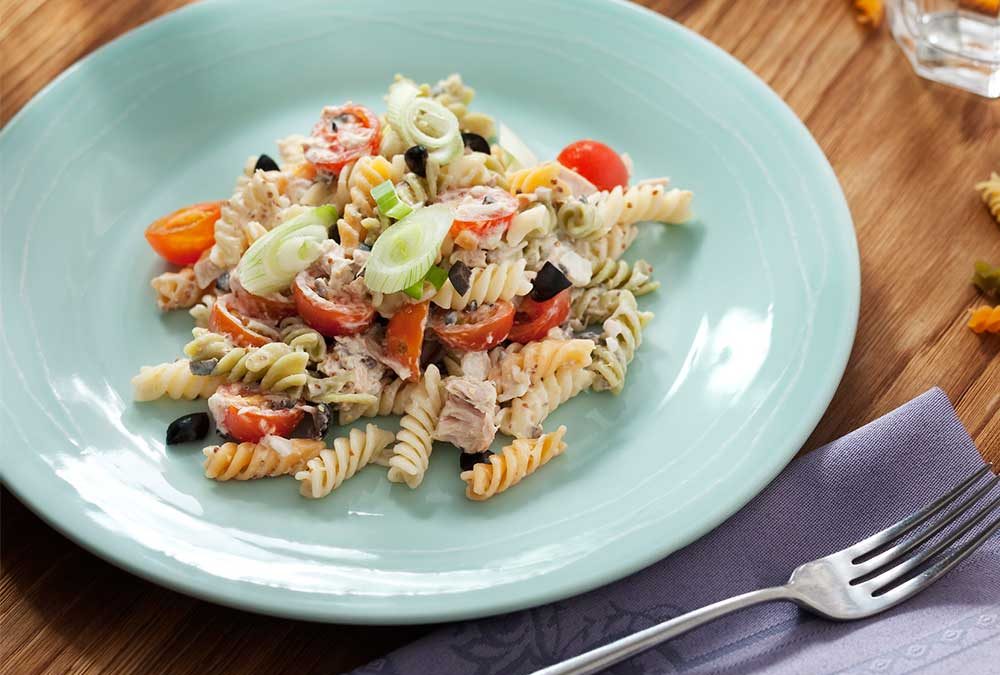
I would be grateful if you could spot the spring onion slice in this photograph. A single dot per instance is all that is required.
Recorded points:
(271, 262)
(517, 153)
(423, 121)
(403, 253)
(435, 275)
(389, 203)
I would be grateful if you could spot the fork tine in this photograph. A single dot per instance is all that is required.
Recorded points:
(912, 586)
(867, 548)
(882, 581)
(872, 566)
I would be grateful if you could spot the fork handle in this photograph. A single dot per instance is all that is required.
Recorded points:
(619, 650)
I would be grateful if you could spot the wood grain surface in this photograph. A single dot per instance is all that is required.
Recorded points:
(906, 151)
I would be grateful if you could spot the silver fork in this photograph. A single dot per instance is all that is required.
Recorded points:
(861, 580)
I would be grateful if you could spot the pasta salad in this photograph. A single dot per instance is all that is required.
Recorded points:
(421, 264)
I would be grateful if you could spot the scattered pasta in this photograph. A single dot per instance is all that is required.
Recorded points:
(990, 191)
(985, 319)
(409, 265)
(986, 278)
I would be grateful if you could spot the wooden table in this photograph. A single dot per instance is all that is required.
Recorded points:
(906, 151)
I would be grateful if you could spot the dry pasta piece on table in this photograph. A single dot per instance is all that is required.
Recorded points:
(985, 319)
(508, 467)
(990, 190)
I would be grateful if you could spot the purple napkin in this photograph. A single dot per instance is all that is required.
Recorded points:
(822, 502)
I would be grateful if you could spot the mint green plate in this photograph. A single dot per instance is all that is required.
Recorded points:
(754, 321)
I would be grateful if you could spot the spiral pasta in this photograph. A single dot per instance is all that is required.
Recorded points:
(259, 199)
(453, 94)
(366, 173)
(392, 400)
(652, 201)
(622, 336)
(475, 168)
(986, 278)
(519, 367)
(509, 467)
(202, 310)
(524, 416)
(496, 281)
(276, 366)
(176, 290)
(291, 150)
(296, 334)
(326, 472)
(273, 456)
(612, 274)
(414, 443)
(174, 380)
(609, 247)
(535, 221)
(990, 190)
(542, 176)
(985, 319)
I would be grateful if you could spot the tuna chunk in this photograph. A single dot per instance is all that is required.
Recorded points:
(356, 360)
(468, 419)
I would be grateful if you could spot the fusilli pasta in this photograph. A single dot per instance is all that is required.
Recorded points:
(276, 366)
(637, 277)
(295, 333)
(622, 336)
(520, 366)
(990, 190)
(392, 400)
(326, 472)
(472, 169)
(524, 416)
(496, 281)
(537, 220)
(541, 176)
(271, 457)
(414, 443)
(512, 464)
(985, 319)
(174, 380)
(986, 278)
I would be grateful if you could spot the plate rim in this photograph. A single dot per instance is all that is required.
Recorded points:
(129, 555)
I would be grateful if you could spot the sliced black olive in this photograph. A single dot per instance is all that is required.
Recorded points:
(322, 419)
(468, 460)
(265, 163)
(459, 274)
(188, 428)
(203, 367)
(334, 232)
(476, 143)
(222, 282)
(416, 159)
(549, 283)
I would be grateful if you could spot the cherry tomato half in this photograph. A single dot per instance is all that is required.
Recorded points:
(534, 319)
(248, 415)
(223, 319)
(475, 331)
(341, 316)
(186, 233)
(404, 338)
(275, 306)
(596, 162)
(481, 210)
(341, 136)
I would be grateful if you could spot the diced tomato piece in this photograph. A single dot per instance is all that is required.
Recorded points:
(223, 319)
(341, 316)
(535, 319)
(596, 162)
(186, 233)
(404, 338)
(475, 331)
(342, 135)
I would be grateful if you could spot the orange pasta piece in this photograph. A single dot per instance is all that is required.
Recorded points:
(869, 12)
(985, 319)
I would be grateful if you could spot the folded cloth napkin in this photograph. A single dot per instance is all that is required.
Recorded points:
(822, 502)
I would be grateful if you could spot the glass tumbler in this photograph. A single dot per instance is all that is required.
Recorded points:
(956, 42)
